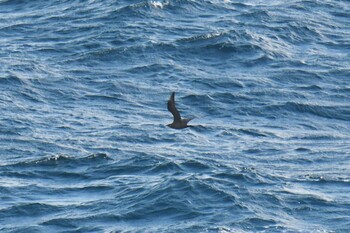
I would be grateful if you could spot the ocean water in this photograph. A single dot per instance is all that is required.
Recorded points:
(84, 145)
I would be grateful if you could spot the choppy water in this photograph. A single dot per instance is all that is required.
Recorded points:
(83, 91)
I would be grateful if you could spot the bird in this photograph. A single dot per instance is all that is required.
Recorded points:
(178, 123)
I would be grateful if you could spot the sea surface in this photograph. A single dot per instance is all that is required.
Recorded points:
(84, 145)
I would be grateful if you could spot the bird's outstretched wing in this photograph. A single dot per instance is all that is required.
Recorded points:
(172, 108)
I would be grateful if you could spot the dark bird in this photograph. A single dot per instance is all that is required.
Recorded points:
(178, 123)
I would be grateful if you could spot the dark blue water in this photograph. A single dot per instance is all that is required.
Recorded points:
(84, 145)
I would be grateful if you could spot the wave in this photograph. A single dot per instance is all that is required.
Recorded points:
(12, 80)
(331, 112)
(30, 209)
(57, 160)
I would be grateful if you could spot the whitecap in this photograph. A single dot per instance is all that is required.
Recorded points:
(297, 190)
(159, 4)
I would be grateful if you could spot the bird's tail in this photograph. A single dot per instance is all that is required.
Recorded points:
(187, 120)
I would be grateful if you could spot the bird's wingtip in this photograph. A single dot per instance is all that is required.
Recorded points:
(172, 96)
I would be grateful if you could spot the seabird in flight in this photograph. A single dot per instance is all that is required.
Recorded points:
(178, 123)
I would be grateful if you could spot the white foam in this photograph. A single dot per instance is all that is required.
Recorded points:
(313, 193)
(159, 4)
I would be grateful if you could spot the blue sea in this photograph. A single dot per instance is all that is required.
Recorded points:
(84, 145)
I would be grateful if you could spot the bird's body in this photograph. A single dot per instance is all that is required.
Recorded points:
(178, 123)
